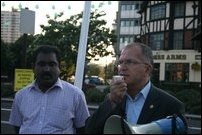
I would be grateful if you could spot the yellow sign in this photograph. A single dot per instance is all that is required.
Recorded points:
(23, 77)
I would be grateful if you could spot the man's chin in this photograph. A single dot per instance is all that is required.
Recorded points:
(47, 82)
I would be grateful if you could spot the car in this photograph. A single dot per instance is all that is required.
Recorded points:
(95, 80)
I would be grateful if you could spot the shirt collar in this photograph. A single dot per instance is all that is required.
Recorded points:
(144, 91)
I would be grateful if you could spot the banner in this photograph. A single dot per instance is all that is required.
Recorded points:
(23, 77)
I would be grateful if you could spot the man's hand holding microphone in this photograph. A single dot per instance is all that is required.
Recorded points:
(117, 89)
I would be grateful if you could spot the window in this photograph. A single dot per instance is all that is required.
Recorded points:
(137, 6)
(157, 41)
(179, 10)
(131, 40)
(137, 22)
(128, 7)
(122, 23)
(127, 23)
(133, 7)
(177, 40)
(123, 7)
(131, 23)
(177, 72)
(127, 39)
(121, 40)
(157, 12)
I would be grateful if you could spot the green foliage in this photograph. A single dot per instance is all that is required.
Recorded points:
(189, 94)
(65, 35)
(4, 57)
(6, 60)
(105, 72)
(7, 90)
(93, 69)
(192, 100)
(94, 95)
(109, 70)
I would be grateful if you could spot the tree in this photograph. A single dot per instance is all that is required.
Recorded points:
(94, 70)
(17, 54)
(4, 58)
(65, 35)
(11, 56)
(109, 70)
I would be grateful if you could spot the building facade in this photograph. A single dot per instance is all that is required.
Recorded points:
(172, 30)
(128, 23)
(10, 26)
(168, 27)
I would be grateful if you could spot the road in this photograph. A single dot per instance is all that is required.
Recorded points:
(194, 121)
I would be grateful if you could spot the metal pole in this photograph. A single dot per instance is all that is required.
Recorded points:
(82, 46)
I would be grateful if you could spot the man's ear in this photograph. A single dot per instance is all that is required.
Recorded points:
(149, 68)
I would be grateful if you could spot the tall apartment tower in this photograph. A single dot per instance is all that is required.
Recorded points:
(10, 26)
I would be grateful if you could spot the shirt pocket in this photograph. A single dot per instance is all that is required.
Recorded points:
(58, 117)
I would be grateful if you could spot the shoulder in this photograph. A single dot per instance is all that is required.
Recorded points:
(70, 87)
(24, 90)
(167, 101)
(165, 96)
(20, 94)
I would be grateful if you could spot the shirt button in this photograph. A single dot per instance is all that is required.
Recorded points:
(40, 122)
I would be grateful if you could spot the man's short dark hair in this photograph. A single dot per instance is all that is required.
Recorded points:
(47, 49)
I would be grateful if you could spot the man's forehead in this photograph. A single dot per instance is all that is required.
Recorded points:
(131, 50)
(46, 56)
(131, 53)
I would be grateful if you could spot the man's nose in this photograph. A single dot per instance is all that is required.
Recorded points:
(122, 65)
(47, 68)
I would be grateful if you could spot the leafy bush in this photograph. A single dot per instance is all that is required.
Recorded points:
(188, 93)
(192, 100)
(94, 95)
(7, 90)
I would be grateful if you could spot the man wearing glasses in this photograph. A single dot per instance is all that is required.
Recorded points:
(135, 98)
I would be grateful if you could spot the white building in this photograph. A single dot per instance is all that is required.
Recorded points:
(128, 23)
(10, 26)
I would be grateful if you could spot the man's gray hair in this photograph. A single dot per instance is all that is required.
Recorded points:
(146, 51)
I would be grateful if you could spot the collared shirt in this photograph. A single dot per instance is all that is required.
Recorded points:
(61, 109)
(134, 106)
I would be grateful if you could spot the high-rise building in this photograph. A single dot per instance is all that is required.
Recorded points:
(128, 23)
(10, 26)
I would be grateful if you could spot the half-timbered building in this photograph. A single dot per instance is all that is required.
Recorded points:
(172, 29)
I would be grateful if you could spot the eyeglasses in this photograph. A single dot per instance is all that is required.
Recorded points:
(129, 62)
